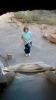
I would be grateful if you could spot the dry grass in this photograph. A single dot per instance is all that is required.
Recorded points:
(32, 17)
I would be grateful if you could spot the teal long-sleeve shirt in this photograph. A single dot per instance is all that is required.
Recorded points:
(27, 35)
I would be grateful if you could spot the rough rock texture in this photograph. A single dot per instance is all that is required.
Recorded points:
(6, 79)
(52, 37)
(51, 76)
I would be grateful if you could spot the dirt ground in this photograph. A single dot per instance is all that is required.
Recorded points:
(10, 42)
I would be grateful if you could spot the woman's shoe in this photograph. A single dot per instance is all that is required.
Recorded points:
(29, 54)
(26, 55)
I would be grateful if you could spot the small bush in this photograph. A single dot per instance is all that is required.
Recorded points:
(52, 21)
(35, 17)
(18, 15)
(28, 17)
(53, 11)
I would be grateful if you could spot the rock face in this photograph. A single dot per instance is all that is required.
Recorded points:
(51, 76)
(1, 68)
(52, 37)
(6, 80)
(0, 72)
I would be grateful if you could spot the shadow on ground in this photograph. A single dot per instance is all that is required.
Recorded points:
(30, 87)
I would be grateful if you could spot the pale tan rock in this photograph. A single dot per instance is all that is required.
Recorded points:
(45, 36)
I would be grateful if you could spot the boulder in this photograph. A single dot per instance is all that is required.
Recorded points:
(45, 36)
(52, 37)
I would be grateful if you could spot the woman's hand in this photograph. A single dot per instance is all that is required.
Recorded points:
(23, 39)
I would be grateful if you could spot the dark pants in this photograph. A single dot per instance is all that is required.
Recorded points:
(27, 49)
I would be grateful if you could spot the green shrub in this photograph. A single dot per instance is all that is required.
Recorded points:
(18, 15)
(28, 17)
(35, 17)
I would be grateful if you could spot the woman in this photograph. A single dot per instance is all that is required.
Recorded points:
(26, 37)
